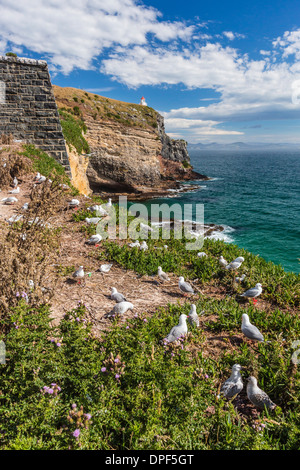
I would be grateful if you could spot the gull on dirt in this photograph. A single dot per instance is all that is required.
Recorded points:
(120, 308)
(9, 200)
(249, 330)
(253, 292)
(105, 268)
(162, 275)
(79, 274)
(94, 239)
(185, 287)
(117, 296)
(15, 190)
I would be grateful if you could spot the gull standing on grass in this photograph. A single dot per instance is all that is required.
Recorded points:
(251, 331)
(258, 397)
(222, 262)
(234, 384)
(179, 330)
(92, 220)
(185, 287)
(202, 254)
(134, 244)
(235, 264)
(253, 292)
(117, 296)
(193, 316)
(240, 279)
(120, 308)
(143, 246)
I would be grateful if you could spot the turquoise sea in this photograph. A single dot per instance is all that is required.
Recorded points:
(255, 196)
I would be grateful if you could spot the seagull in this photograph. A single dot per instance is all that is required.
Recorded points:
(74, 203)
(193, 317)
(117, 296)
(143, 246)
(41, 179)
(179, 330)
(185, 287)
(240, 279)
(14, 218)
(250, 330)
(79, 274)
(234, 384)
(223, 262)
(15, 190)
(9, 200)
(108, 205)
(98, 209)
(94, 239)
(162, 275)
(145, 227)
(105, 268)
(201, 254)
(134, 244)
(92, 220)
(37, 176)
(15, 182)
(31, 284)
(120, 308)
(258, 397)
(235, 264)
(25, 206)
(253, 292)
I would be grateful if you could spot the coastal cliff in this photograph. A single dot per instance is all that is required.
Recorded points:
(128, 149)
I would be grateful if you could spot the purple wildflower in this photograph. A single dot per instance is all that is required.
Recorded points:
(117, 376)
(103, 369)
(76, 433)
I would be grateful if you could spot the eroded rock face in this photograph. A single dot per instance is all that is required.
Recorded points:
(132, 159)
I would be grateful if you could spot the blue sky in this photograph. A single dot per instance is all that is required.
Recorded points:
(218, 71)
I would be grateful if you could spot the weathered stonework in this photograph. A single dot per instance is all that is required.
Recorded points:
(28, 109)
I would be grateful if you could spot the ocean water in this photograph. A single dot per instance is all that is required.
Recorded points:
(255, 196)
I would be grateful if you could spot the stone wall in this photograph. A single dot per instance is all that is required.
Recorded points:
(28, 109)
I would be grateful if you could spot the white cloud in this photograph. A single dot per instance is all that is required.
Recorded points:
(231, 35)
(71, 34)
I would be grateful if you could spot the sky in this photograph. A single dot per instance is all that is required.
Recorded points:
(218, 71)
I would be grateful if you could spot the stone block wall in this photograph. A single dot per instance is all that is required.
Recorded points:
(28, 109)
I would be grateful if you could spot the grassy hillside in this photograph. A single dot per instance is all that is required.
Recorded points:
(69, 385)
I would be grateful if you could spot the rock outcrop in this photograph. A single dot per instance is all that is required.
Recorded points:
(129, 149)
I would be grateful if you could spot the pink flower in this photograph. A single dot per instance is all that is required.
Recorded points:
(76, 433)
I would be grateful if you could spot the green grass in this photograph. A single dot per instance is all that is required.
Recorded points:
(73, 129)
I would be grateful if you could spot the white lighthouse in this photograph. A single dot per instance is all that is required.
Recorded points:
(143, 101)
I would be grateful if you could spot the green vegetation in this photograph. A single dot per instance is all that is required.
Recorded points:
(63, 387)
(73, 129)
(11, 54)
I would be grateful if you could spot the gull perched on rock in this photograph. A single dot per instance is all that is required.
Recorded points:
(117, 296)
(120, 308)
(143, 246)
(162, 275)
(134, 244)
(234, 384)
(235, 264)
(94, 239)
(253, 292)
(223, 262)
(9, 200)
(249, 330)
(79, 274)
(105, 268)
(92, 220)
(185, 287)
(258, 397)
(193, 317)
(179, 330)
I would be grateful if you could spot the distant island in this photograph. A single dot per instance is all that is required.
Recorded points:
(243, 146)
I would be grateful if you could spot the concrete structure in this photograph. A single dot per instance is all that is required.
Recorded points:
(28, 109)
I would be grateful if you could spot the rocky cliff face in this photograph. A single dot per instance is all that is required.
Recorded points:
(129, 149)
